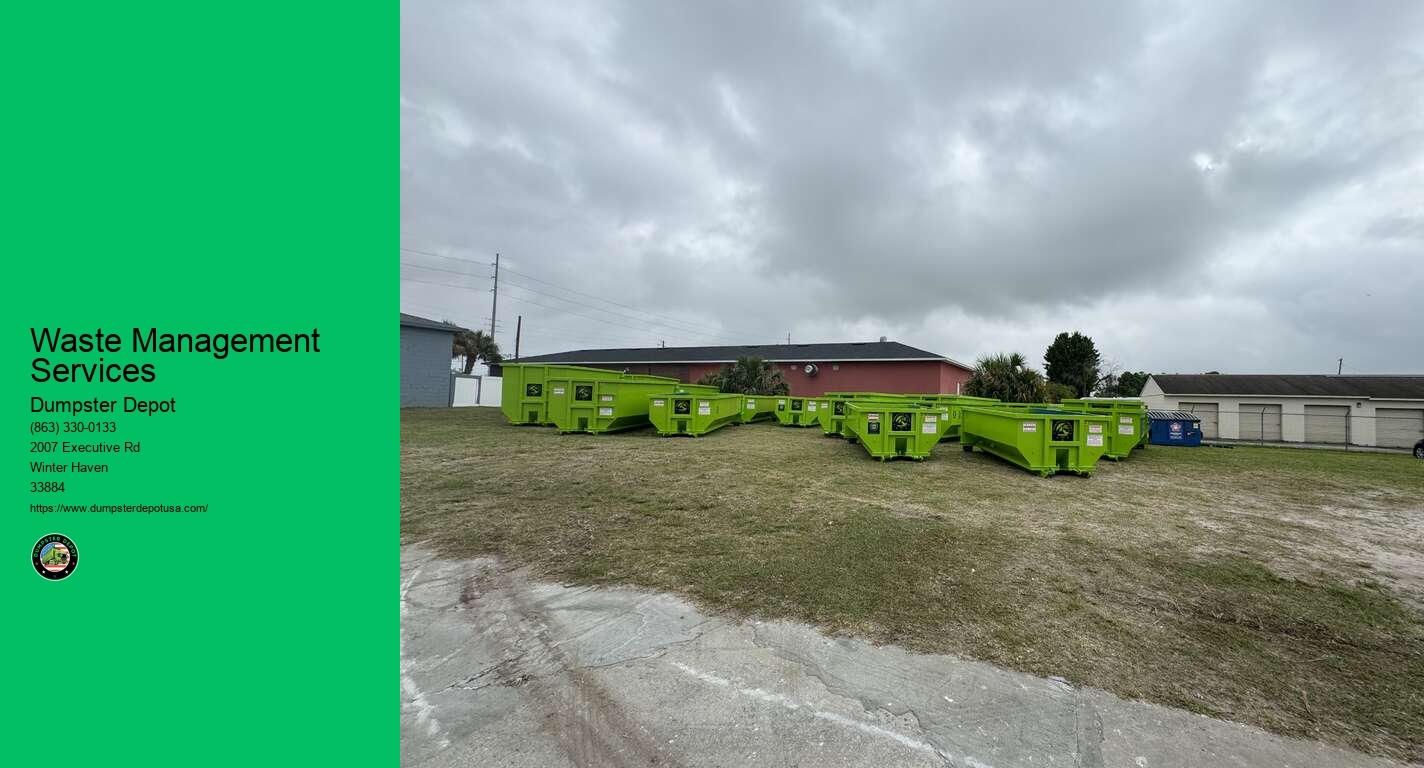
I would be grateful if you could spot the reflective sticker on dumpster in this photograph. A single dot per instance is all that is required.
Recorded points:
(1095, 440)
(605, 411)
(1092, 428)
(704, 408)
(1030, 426)
(1124, 429)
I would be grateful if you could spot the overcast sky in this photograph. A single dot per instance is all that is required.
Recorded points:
(1197, 186)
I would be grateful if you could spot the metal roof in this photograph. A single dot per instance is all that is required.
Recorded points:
(1292, 385)
(879, 351)
(1172, 416)
(419, 322)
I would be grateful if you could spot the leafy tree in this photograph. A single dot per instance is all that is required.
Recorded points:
(1057, 393)
(475, 345)
(1130, 384)
(1073, 360)
(748, 376)
(1008, 378)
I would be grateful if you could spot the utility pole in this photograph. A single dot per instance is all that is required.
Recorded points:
(1340, 367)
(494, 305)
(788, 337)
(518, 326)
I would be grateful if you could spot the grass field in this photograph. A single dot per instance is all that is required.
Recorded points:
(1282, 588)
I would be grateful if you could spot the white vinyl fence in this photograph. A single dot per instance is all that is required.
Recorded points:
(476, 390)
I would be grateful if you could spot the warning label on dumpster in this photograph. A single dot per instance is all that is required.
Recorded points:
(1095, 440)
(606, 398)
(1030, 426)
(751, 404)
(1095, 428)
(1124, 429)
(605, 411)
(558, 390)
(659, 403)
(811, 406)
(1124, 419)
(704, 408)
(872, 417)
(930, 425)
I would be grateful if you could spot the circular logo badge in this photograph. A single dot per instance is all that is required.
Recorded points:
(55, 556)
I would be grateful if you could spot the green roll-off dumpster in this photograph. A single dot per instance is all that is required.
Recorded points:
(1039, 439)
(878, 397)
(524, 392)
(1129, 416)
(956, 405)
(832, 412)
(582, 404)
(758, 407)
(796, 411)
(694, 414)
(891, 430)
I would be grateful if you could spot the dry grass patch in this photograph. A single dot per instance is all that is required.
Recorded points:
(1276, 587)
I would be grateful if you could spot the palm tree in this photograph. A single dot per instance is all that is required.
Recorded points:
(1008, 378)
(748, 376)
(475, 345)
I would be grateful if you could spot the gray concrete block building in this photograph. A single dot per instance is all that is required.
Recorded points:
(425, 380)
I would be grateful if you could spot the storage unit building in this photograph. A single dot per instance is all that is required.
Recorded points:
(1378, 411)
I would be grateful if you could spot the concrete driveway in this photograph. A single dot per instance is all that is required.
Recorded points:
(496, 670)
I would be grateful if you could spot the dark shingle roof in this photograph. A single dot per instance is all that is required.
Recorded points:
(800, 353)
(420, 322)
(1377, 387)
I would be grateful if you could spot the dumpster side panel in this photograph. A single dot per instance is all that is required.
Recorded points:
(889, 430)
(1039, 440)
(618, 404)
(687, 413)
(525, 389)
(1130, 423)
(758, 408)
(795, 411)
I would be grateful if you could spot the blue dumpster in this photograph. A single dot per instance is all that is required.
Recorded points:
(1174, 428)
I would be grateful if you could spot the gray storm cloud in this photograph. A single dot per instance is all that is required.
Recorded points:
(1198, 186)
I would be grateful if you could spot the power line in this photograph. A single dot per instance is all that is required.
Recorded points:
(625, 306)
(620, 314)
(556, 297)
(451, 271)
(579, 314)
(546, 306)
(716, 330)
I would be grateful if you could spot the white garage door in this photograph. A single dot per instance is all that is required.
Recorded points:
(1326, 423)
(1398, 427)
(1261, 422)
(1207, 413)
